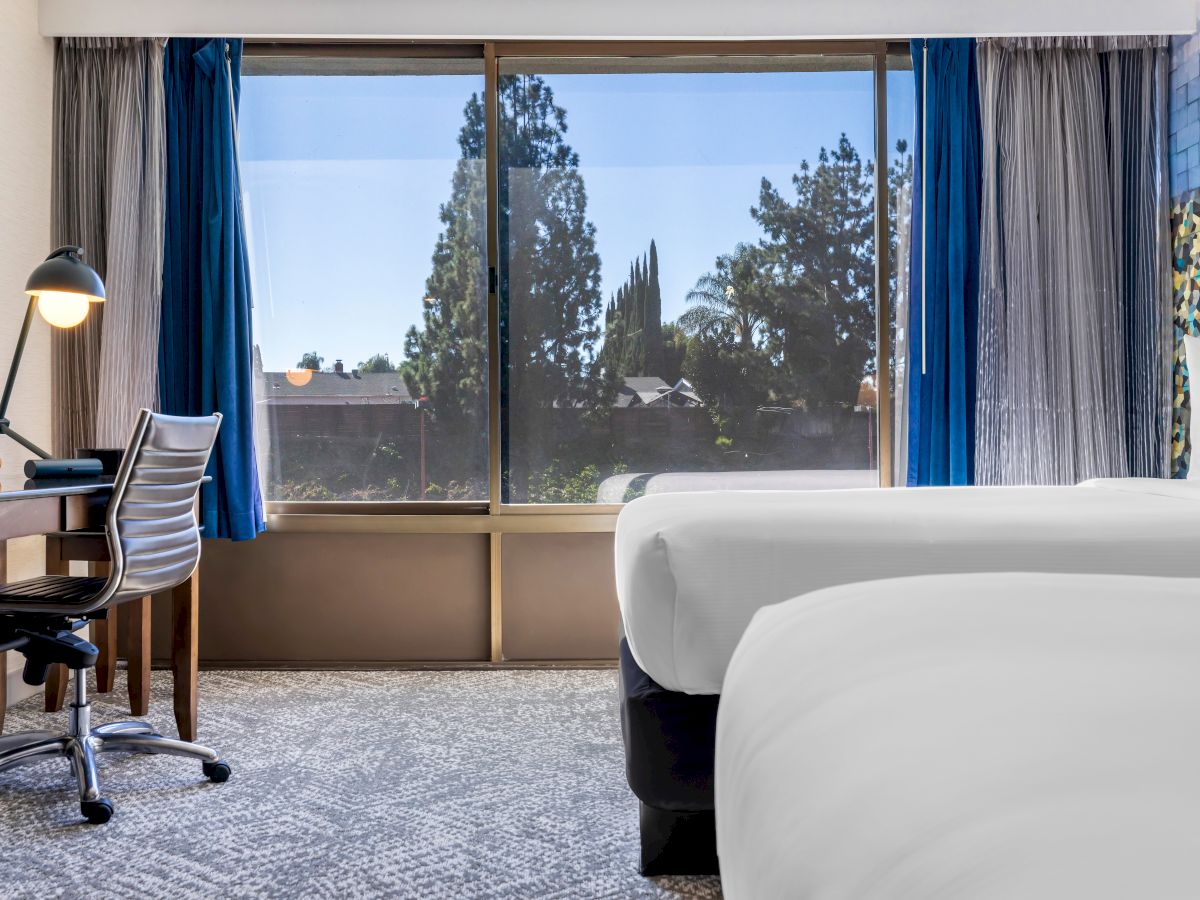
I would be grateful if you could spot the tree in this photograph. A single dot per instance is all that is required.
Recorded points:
(724, 359)
(552, 283)
(633, 338)
(310, 360)
(551, 323)
(380, 362)
(652, 327)
(819, 314)
(674, 349)
(727, 302)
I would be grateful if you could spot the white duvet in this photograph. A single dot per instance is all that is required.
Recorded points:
(692, 569)
(982, 737)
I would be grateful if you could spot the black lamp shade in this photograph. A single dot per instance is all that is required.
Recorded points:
(64, 271)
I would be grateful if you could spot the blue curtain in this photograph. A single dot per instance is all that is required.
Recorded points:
(205, 342)
(941, 400)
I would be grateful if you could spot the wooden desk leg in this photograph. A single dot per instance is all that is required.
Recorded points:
(185, 622)
(104, 636)
(56, 684)
(136, 616)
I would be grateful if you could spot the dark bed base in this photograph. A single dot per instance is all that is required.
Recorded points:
(678, 843)
(670, 739)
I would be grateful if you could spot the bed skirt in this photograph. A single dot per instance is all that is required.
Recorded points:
(670, 739)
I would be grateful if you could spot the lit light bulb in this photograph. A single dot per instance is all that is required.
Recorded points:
(299, 377)
(63, 310)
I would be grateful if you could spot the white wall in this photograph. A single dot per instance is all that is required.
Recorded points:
(26, 80)
(456, 19)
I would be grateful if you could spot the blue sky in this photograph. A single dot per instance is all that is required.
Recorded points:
(344, 177)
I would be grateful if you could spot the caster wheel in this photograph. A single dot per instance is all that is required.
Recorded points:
(217, 772)
(97, 812)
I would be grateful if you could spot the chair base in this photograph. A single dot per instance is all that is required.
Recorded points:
(81, 743)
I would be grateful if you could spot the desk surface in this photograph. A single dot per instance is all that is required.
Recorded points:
(65, 487)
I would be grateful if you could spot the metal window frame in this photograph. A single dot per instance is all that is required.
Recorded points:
(298, 515)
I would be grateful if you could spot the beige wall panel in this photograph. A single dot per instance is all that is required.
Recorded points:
(560, 596)
(27, 74)
(324, 598)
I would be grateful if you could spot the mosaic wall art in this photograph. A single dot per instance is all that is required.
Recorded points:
(1185, 223)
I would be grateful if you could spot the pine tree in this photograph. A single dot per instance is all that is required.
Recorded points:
(446, 360)
(552, 320)
(819, 311)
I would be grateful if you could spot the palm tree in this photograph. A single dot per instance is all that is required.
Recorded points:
(721, 300)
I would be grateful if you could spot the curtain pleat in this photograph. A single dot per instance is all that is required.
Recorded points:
(206, 346)
(107, 196)
(1073, 303)
(129, 345)
(944, 273)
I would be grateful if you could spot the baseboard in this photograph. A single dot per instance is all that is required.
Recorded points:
(401, 666)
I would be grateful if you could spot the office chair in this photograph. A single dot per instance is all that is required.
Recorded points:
(154, 544)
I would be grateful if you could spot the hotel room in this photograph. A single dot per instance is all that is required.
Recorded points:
(565, 450)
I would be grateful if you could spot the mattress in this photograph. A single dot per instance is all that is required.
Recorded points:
(967, 736)
(693, 568)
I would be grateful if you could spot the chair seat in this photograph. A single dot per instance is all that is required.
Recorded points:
(50, 589)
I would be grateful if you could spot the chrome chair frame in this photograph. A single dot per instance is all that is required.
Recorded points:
(161, 560)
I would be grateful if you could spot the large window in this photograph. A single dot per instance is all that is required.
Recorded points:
(682, 251)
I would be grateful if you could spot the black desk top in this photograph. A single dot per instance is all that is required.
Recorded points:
(62, 487)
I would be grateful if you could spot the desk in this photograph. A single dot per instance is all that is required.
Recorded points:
(80, 503)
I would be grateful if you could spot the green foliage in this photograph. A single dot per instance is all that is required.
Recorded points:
(565, 481)
(732, 379)
(553, 280)
(380, 362)
(726, 305)
(819, 314)
(552, 321)
(311, 360)
(633, 324)
(674, 349)
(446, 359)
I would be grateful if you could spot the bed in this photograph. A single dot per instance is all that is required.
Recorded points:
(694, 568)
(965, 736)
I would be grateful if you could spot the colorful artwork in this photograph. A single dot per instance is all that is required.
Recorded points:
(1185, 226)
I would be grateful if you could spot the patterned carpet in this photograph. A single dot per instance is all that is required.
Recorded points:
(502, 784)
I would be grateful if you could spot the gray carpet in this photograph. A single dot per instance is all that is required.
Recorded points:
(348, 784)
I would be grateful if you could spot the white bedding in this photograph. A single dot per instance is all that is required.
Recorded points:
(693, 568)
(983, 737)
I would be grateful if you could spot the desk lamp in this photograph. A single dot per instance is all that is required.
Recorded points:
(62, 289)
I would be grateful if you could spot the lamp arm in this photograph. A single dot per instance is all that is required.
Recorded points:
(16, 364)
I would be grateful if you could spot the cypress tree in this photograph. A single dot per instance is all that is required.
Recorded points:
(652, 330)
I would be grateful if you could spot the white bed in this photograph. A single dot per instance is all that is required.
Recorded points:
(978, 737)
(693, 568)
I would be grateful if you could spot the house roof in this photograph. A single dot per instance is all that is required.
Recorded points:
(336, 388)
(650, 390)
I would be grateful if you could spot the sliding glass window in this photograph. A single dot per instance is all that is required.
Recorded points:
(686, 289)
(365, 191)
(687, 275)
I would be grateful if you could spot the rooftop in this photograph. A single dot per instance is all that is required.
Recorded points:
(336, 388)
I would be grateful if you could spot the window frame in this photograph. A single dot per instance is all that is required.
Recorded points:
(493, 516)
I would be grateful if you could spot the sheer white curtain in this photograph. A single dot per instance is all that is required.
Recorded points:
(1074, 304)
